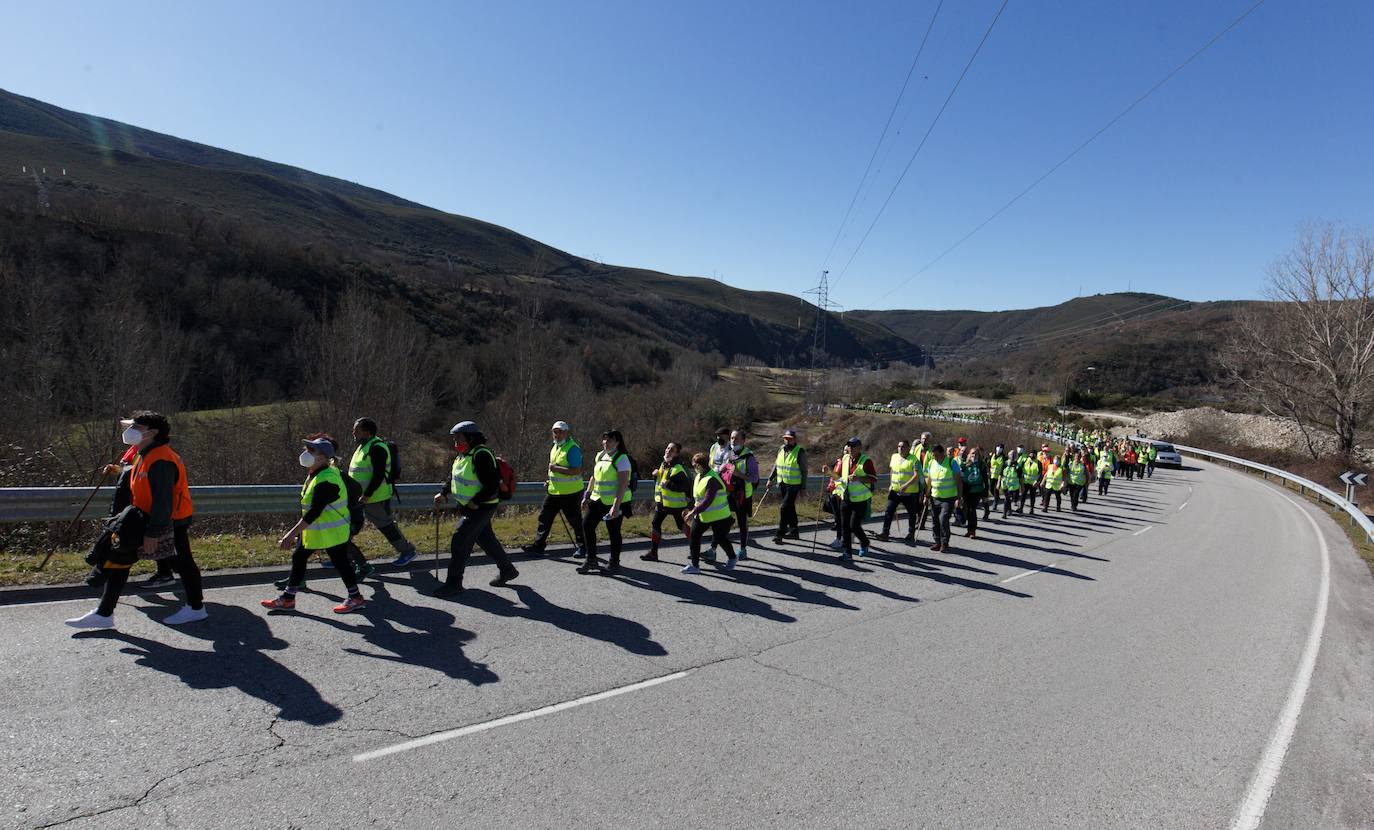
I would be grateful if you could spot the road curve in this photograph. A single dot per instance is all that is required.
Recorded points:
(1125, 667)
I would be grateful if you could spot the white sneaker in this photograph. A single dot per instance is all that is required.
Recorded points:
(187, 614)
(689, 568)
(837, 544)
(92, 619)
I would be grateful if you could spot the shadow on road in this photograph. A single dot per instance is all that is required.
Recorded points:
(696, 593)
(416, 635)
(618, 631)
(238, 638)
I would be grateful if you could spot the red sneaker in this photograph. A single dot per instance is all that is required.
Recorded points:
(350, 605)
(281, 603)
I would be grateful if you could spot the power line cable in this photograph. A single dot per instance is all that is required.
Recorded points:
(1065, 160)
(883, 137)
(922, 144)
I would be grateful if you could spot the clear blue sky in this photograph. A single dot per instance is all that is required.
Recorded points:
(726, 138)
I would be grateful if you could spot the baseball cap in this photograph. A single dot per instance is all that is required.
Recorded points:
(323, 446)
(855, 441)
(563, 425)
(789, 433)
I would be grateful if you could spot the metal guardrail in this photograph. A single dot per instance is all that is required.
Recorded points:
(1357, 515)
(58, 504)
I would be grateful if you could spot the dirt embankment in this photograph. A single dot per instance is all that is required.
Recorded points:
(1208, 427)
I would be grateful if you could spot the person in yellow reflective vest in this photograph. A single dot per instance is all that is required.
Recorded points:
(904, 490)
(711, 511)
(1077, 471)
(996, 461)
(920, 453)
(1031, 472)
(944, 487)
(370, 467)
(1104, 472)
(1009, 481)
(671, 486)
(562, 492)
(324, 526)
(855, 490)
(745, 465)
(474, 482)
(789, 474)
(1055, 475)
(607, 498)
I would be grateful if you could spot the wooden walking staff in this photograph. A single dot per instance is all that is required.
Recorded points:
(72, 527)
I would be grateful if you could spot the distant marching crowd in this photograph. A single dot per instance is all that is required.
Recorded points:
(708, 493)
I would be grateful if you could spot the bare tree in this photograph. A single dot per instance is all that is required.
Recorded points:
(1308, 354)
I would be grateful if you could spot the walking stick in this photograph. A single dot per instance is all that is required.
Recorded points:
(436, 543)
(571, 538)
(766, 490)
(72, 527)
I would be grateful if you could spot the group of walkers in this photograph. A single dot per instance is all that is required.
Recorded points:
(707, 493)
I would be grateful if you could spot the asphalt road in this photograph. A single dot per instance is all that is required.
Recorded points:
(1129, 666)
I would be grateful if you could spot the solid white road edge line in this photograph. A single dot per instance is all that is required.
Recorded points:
(449, 735)
(1251, 810)
(1142, 530)
(1181, 506)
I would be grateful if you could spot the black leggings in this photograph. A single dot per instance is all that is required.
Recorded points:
(854, 513)
(596, 511)
(896, 500)
(971, 502)
(338, 555)
(720, 536)
(184, 566)
(1045, 494)
(787, 518)
(656, 523)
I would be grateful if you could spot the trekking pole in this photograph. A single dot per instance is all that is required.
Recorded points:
(571, 538)
(72, 527)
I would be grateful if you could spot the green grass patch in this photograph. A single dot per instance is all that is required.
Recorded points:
(220, 551)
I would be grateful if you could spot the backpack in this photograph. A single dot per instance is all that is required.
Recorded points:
(393, 475)
(505, 490)
(734, 485)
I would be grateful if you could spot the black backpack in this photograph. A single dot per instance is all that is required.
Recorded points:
(393, 475)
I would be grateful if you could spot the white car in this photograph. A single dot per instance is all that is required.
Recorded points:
(1166, 455)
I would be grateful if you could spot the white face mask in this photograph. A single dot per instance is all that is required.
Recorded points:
(307, 459)
(133, 436)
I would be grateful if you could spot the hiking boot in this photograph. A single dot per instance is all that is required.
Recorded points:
(447, 590)
(837, 544)
(589, 567)
(503, 578)
(534, 549)
(777, 540)
(651, 556)
(729, 564)
(612, 568)
(910, 540)
(882, 537)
